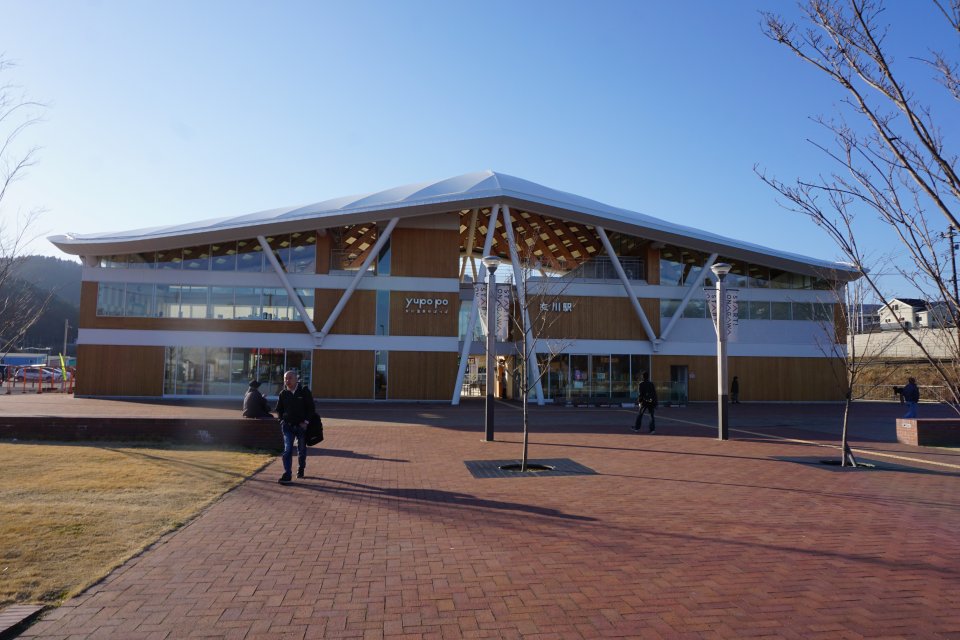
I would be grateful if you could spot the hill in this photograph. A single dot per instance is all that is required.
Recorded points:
(45, 275)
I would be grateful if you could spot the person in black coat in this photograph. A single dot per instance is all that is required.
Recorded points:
(735, 391)
(294, 409)
(254, 404)
(647, 399)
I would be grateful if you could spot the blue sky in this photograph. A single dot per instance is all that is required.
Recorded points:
(164, 112)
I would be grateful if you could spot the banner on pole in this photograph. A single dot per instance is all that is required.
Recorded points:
(503, 309)
(732, 319)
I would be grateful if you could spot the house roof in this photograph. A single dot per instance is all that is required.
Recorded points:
(479, 189)
(916, 303)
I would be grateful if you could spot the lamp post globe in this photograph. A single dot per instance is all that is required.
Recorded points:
(491, 263)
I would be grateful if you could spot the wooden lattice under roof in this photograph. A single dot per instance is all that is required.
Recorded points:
(555, 244)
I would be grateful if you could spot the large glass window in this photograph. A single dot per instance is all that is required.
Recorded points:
(110, 299)
(194, 302)
(224, 256)
(222, 304)
(139, 301)
(759, 310)
(169, 259)
(303, 253)
(249, 256)
(216, 376)
(196, 258)
(168, 301)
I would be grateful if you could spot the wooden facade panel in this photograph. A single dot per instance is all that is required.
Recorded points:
(343, 374)
(432, 253)
(114, 370)
(357, 318)
(653, 265)
(324, 244)
(761, 379)
(592, 318)
(88, 304)
(415, 375)
(424, 314)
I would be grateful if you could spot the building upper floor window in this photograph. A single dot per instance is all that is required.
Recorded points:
(296, 253)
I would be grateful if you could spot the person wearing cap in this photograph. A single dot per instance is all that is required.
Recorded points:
(254, 404)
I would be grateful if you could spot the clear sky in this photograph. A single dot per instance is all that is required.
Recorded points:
(162, 112)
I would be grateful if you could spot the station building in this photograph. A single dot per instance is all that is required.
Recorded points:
(371, 297)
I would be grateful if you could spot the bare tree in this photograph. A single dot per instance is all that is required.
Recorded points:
(857, 352)
(20, 305)
(891, 157)
(538, 304)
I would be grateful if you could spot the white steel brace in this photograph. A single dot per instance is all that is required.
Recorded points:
(278, 268)
(472, 315)
(678, 312)
(345, 298)
(654, 340)
(521, 296)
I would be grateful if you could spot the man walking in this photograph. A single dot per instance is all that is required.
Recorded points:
(647, 399)
(294, 408)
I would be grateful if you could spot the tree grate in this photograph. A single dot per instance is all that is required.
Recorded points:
(555, 467)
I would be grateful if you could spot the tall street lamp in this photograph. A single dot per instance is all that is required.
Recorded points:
(491, 262)
(720, 270)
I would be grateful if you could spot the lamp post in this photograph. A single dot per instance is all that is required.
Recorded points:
(491, 262)
(720, 270)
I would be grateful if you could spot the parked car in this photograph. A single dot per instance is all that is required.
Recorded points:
(39, 372)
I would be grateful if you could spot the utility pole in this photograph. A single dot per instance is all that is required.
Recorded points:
(66, 328)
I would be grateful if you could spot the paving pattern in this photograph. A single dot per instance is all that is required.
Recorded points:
(676, 535)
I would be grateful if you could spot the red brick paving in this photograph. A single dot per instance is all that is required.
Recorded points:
(678, 536)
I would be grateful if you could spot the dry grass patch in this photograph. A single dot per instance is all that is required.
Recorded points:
(71, 513)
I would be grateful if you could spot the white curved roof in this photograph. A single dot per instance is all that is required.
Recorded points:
(482, 188)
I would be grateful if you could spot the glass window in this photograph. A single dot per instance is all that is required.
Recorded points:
(600, 368)
(579, 376)
(196, 258)
(242, 369)
(303, 253)
(190, 371)
(823, 312)
(276, 304)
(638, 364)
(193, 302)
(168, 301)
(169, 259)
(300, 361)
(114, 262)
(695, 309)
(139, 301)
(759, 310)
(350, 246)
(170, 358)
(802, 311)
(247, 303)
(216, 375)
(780, 311)
(249, 256)
(306, 298)
(146, 260)
(221, 303)
(281, 249)
(668, 308)
(620, 383)
(110, 299)
(224, 256)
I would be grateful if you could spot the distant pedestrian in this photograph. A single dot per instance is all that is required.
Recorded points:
(294, 409)
(254, 404)
(910, 394)
(735, 391)
(647, 400)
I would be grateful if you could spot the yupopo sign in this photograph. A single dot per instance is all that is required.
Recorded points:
(426, 305)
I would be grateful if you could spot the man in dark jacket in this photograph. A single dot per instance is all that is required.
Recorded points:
(647, 399)
(911, 397)
(294, 409)
(254, 404)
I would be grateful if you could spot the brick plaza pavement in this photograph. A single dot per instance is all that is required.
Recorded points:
(676, 535)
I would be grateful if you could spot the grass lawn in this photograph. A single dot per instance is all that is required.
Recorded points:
(69, 513)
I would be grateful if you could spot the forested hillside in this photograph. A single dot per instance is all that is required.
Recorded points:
(45, 275)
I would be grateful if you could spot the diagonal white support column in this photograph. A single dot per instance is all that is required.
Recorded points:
(278, 269)
(686, 298)
(626, 285)
(521, 295)
(345, 298)
(472, 315)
